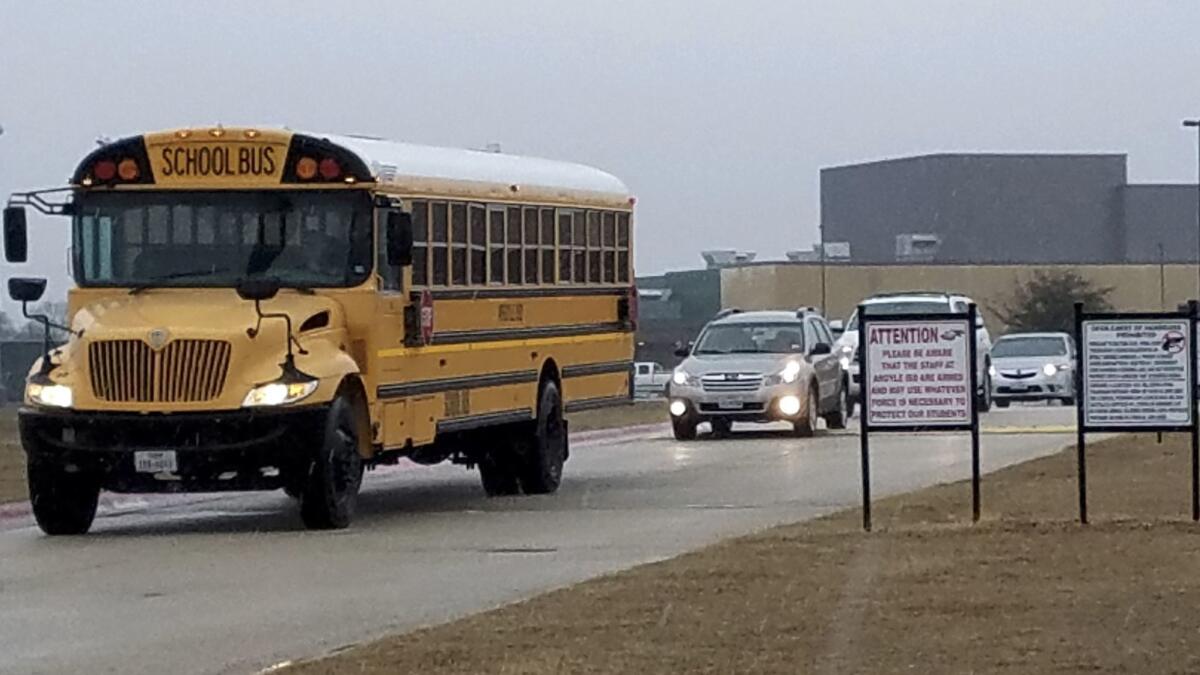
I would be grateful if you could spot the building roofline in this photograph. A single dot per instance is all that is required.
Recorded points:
(988, 155)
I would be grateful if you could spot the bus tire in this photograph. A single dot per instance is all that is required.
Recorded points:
(542, 461)
(497, 472)
(63, 503)
(335, 472)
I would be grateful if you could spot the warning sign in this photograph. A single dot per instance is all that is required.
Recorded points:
(918, 373)
(1136, 374)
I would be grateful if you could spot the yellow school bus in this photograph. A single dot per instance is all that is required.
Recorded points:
(265, 309)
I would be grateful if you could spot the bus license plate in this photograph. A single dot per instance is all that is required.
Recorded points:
(729, 404)
(155, 461)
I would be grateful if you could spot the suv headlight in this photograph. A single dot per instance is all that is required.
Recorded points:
(684, 379)
(789, 374)
(846, 355)
(279, 393)
(50, 395)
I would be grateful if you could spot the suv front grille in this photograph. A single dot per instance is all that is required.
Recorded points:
(185, 371)
(731, 382)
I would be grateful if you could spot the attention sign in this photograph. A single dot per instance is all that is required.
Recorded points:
(1136, 374)
(918, 373)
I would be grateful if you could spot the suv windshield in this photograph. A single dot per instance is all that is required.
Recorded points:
(307, 239)
(1029, 346)
(751, 338)
(902, 307)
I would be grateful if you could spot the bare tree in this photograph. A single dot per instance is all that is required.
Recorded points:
(1046, 301)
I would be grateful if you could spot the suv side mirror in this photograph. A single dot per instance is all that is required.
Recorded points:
(979, 322)
(399, 238)
(685, 351)
(16, 241)
(837, 327)
(821, 349)
(24, 289)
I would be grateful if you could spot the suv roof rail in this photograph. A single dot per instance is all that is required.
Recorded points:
(726, 312)
(892, 294)
(802, 312)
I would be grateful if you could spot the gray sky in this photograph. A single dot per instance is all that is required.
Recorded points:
(717, 114)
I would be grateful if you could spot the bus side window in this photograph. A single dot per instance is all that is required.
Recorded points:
(594, 247)
(548, 256)
(458, 244)
(389, 276)
(565, 252)
(579, 245)
(496, 245)
(623, 248)
(420, 266)
(514, 246)
(478, 244)
(439, 244)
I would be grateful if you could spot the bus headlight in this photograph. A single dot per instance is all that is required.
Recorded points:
(50, 395)
(279, 393)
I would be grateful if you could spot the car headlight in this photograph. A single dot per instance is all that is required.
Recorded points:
(1049, 369)
(789, 374)
(279, 393)
(50, 395)
(992, 371)
(682, 378)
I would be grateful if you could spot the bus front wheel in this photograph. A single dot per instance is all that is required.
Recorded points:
(335, 474)
(63, 503)
(542, 461)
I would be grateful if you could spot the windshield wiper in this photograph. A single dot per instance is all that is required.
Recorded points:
(157, 282)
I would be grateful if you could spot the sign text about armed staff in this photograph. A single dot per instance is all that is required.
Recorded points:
(919, 373)
(1136, 373)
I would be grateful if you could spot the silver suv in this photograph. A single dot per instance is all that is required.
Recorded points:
(759, 367)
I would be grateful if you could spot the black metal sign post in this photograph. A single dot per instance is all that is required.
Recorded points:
(1186, 316)
(866, 427)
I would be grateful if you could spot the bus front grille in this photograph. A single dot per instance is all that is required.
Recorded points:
(184, 371)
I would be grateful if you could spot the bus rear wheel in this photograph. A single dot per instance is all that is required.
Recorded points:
(63, 503)
(335, 474)
(542, 460)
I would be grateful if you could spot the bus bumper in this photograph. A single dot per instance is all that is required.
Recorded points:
(230, 450)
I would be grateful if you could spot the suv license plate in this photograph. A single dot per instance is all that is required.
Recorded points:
(729, 404)
(155, 461)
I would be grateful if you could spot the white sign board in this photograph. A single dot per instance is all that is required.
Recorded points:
(919, 373)
(1135, 373)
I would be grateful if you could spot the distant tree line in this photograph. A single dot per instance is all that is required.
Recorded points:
(17, 327)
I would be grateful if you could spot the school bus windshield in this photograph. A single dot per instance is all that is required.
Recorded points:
(214, 239)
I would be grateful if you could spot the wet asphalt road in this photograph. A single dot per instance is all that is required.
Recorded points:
(233, 584)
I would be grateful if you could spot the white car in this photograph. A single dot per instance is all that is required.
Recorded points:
(919, 302)
(1033, 367)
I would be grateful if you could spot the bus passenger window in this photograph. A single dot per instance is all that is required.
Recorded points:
(531, 246)
(514, 246)
(547, 246)
(478, 243)
(458, 245)
(623, 248)
(420, 266)
(579, 246)
(496, 246)
(439, 245)
(564, 247)
(623, 267)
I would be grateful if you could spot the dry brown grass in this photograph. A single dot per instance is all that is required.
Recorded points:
(12, 458)
(1026, 591)
(641, 412)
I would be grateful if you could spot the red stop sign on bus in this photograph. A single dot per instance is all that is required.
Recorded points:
(426, 316)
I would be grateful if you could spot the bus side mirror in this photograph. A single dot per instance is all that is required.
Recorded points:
(399, 239)
(24, 289)
(257, 290)
(16, 243)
